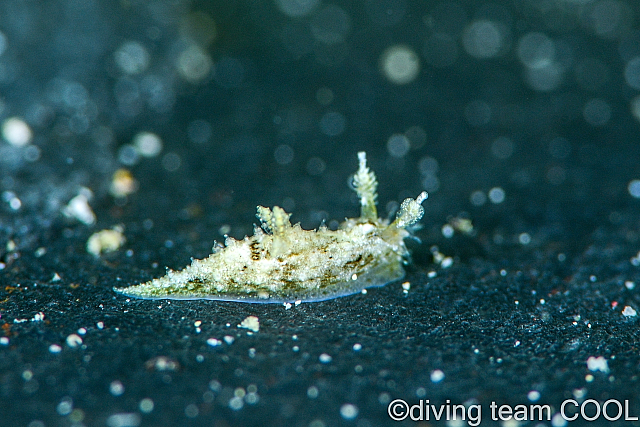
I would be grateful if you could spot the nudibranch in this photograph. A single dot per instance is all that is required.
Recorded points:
(284, 263)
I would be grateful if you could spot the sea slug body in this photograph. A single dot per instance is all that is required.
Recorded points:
(283, 263)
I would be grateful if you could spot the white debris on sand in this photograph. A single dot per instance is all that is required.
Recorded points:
(598, 364)
(106, 241)
(79, 208)
(629, 311)
(252, 323)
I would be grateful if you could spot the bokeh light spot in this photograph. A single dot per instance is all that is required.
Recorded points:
(315, 166)
(483, 39)
(545, 79)
(400, 64)
(171, 162)
(634, 188)
(199, 27)
(128, 155)
(148, 144)
(428, 166)
(632, 73)
(398, 145)
(283, 154)
(496, 195)
(556, 175)
(536, 50)
(609, 18)
(296, 8)
(330, 25)
(3, 43)
(478, 198)
(417, 136)
(324, 96)
(502, 148)
(132, 58)
(597, 112)
(16, 132)
(194, 64)
(199, 131)
(332, 123)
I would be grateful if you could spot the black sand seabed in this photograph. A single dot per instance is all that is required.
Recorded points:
(515, 329)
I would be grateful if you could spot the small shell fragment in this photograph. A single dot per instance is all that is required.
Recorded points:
(105, 241)
(252, 323)
(598, 364)
(79, 208)
(629, 311)
(123, 183)
(282, 263)
(74, 340)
